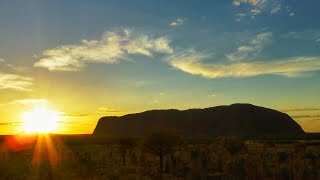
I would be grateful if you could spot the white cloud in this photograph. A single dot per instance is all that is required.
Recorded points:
(240, 16)
(256, 7)
(255, 11)
(292, 14)
(15, 82)
(193, 63)
(178, 22)
(236, 3)
(113, 47)
(212, 95)
(252, 48)
(275, 9)
(250, 2)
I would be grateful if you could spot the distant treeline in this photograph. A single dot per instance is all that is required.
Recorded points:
(95, 139)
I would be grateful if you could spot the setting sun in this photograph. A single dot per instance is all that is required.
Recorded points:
(40, 120)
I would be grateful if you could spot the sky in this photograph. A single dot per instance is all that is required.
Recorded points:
(88, 59)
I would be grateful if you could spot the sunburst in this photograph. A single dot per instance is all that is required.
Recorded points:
(40, 120)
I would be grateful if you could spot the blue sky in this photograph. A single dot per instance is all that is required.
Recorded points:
(89, 59)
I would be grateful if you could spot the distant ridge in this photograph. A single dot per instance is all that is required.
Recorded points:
(232, 120)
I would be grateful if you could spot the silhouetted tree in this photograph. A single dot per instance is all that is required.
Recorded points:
(311, 155)
(161, 143)
(126, 145)
(283, 157)
(234, 145)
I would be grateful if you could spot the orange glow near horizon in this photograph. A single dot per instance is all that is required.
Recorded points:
(43, 146)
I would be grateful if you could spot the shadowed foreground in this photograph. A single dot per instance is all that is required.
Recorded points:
(161, 156)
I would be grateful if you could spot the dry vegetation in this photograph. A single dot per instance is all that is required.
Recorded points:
(166, 156)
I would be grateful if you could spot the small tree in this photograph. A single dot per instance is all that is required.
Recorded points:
(234, 145)
(126, 145)
(161, 143)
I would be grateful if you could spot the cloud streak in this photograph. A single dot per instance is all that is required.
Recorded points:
(11, 80)
(252, 49)
(255, 11)
(178, 22)
(75, 115)
(311, 35)
(107, 110)
(256, 7)
(300, 109)
(275, 9)
(9, 123)
(316, 116)
(212, 95)
(194, 63)
(251, 2)
(15, 82)
(30, 101)
(112, 47)
(5, 66)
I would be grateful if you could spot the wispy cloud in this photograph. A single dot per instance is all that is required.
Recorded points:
(315, 116)
(108, 110)
(290, 11)
(310, 34)
(140, 83)
(194, 63)
(236, 3)
(15, 82)
(30, 101)
(178, 22)
(113, 46)
(100, 111)
(256, 7)
(255, 11)
(156, 101)
(240, 16)
(5, 66)
(252, 48)
(74, 115)
(300, 109)
(212, 95)
(251, 2)
(9, 79)
(275, 9)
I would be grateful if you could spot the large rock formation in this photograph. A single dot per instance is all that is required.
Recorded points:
(236, 119)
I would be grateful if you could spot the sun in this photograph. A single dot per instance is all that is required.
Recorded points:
(40, 120)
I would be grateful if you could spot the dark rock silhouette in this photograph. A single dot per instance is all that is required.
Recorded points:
(233, 120)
